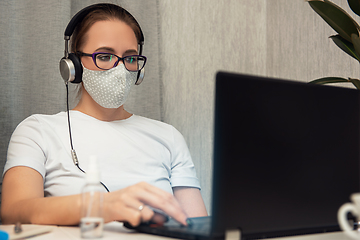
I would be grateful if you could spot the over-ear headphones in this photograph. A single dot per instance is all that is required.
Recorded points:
(70, 65)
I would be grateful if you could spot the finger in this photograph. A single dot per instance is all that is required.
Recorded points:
(162, 200)
(122, 207)
(131, 202)
(159, 218)
(146, 214)
(128, 214)
(135, 217)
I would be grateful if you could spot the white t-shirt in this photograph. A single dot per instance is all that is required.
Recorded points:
(128, 151)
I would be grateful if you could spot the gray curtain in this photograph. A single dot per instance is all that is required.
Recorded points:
(186, 42)
(31, 45)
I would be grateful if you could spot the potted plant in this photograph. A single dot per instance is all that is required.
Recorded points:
(347, 38)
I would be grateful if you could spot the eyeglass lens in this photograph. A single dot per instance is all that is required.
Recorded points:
(107, 61)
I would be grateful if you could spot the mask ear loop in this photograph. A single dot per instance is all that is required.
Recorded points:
(73, 153)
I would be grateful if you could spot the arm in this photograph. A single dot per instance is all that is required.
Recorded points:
(183, 173)
(191, 201)
(23, 200)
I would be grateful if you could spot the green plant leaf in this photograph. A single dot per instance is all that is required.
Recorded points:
(336, 17)
(346, 46)
(356, 82)
(356, 42)
(355, 6)
(327, 80)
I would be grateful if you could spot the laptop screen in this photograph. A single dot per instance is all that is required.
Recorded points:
(286, 155)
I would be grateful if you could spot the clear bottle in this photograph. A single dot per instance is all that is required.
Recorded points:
(92, 222)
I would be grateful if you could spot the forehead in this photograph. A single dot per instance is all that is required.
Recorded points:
(113, 34)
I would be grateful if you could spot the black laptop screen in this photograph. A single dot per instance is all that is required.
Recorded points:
(286, 154)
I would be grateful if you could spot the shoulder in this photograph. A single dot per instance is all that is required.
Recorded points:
(149, 121)
(158, 129)
(138, 118)
(153, 125)
(44, 117)
(40, 122)
(39, 119)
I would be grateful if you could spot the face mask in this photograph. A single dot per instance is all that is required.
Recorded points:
(109, 88)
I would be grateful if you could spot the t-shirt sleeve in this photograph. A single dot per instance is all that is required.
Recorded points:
(183, 172)
(25, 147)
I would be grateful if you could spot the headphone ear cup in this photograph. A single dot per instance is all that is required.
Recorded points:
(140, 76)
(67, 69)
(77, 66)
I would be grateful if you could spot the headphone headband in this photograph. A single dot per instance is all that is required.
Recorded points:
(78, 17)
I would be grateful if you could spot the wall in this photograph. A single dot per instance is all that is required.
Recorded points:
(298, 46)
(277, 38)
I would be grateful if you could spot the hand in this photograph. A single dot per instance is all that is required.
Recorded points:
(130, 204)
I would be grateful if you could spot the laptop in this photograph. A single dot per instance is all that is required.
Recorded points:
(286, 157)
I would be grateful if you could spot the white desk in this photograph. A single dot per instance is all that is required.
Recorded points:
(115, 230)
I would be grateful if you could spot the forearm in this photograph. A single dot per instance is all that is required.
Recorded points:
(50, 210)
(23, 201)
(191, 201)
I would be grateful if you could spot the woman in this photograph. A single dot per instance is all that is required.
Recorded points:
(144, 163)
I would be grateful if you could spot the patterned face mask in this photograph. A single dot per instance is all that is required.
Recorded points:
(109, 88)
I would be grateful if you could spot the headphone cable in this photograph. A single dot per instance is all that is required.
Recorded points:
(73, 153)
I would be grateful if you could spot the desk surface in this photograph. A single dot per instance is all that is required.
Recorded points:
(115, 230)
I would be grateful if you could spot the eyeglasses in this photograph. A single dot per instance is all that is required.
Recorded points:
(106, 61)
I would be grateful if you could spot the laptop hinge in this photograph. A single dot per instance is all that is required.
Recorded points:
(232, 234)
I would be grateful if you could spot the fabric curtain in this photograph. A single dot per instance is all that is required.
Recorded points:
(31, 45)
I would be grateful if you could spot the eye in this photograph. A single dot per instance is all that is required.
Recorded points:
(131, 59)
(104, 57)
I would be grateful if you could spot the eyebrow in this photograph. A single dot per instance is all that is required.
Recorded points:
(107, 49)
(111, 50)
(130, 51)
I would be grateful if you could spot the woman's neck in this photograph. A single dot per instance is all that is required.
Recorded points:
(89, 107)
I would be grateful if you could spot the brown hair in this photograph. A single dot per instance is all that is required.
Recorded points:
(105, 12)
